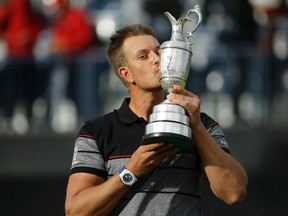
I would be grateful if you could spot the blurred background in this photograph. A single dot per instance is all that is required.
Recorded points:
(54, 75)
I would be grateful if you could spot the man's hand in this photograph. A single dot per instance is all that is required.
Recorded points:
(189, 101)
(148, 157)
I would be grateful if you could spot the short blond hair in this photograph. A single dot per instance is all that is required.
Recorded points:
(115, 52)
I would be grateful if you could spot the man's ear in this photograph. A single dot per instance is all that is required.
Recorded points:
(125, 74)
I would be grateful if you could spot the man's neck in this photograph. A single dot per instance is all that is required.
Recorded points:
(142, 105)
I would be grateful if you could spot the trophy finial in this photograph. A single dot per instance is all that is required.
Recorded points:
(177, 25)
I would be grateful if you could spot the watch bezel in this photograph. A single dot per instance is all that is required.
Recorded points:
(124, 172)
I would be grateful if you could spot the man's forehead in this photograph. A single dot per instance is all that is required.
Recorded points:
(141, 42)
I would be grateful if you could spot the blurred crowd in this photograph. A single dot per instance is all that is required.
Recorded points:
(54, 73)
(40, 73)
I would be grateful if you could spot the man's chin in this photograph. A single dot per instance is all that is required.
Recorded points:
(158, 88)
(155, 88)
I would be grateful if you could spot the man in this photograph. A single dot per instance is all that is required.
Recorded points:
(112, 173)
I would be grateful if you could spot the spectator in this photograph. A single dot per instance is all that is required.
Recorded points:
(20, 25)
(72, 36)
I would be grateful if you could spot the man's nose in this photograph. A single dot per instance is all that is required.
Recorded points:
(156, 58)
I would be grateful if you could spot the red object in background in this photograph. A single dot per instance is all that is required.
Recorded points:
(72, 31)
(20, 26)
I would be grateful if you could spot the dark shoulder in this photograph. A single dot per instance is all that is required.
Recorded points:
(95, 126)
(207, 120)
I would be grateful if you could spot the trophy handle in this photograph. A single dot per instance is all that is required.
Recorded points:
(196, 10)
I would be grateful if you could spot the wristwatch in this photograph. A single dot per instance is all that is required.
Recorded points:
(126, 176)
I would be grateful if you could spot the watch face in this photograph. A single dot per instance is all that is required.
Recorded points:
(128, 178)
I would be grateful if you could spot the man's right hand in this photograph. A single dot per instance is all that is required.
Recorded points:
(148, 157)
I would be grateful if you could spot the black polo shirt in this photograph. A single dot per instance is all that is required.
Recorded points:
(105, 144)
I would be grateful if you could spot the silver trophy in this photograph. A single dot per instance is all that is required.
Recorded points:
(168, 121)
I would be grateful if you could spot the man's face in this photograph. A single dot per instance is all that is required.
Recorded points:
(142, 53)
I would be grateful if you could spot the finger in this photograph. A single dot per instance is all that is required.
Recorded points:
(164, 147)
(158, 147)
(180, 90)
(180, 94)
(191, 101)
(161, 155)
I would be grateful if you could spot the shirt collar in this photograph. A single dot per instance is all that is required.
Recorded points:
(125, 113)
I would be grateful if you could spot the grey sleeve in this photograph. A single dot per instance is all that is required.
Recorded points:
(218, 135)
(87, 157)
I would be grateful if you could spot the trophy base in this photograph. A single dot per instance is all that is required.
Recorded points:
(168, 123)
(182, 143)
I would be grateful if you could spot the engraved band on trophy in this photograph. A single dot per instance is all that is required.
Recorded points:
(168, 121)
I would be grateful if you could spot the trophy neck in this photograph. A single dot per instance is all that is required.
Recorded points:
(177, 26)
(177, 31)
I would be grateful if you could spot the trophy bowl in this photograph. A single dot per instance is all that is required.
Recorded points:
(174, 64)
